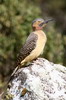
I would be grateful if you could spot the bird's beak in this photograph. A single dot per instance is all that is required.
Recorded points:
(45, 22)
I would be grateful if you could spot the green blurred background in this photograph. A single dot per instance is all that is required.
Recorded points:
(15, 25)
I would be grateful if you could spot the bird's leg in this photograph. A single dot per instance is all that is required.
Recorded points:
(25, 64)
(34, 60)
(31, 62)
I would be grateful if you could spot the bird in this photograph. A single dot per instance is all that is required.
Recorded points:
(34, 44)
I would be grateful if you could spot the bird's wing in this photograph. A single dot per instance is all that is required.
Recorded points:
(27, 48)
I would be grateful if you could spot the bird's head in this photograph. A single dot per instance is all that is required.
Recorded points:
(39, 23)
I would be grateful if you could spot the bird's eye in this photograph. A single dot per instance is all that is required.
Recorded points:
(39, 22)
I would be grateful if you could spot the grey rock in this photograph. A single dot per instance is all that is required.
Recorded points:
(43, 80)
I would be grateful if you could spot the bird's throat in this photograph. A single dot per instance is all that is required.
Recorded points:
(37, 28)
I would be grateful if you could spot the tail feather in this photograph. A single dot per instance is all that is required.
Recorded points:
(12, 75)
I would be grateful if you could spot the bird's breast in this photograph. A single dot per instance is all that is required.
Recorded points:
(40, 43)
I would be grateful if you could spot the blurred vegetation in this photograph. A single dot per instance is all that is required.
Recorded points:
(15, 25)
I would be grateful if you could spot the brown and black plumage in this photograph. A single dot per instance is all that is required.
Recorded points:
(27, 48)
(34, 44)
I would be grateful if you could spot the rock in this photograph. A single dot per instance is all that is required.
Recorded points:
(42, 80)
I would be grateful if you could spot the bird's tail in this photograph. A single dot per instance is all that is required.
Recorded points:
(12, 75)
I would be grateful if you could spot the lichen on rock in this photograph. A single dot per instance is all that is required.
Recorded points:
(41, 80)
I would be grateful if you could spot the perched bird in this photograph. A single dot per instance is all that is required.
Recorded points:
(34, 44)
(32, 48)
